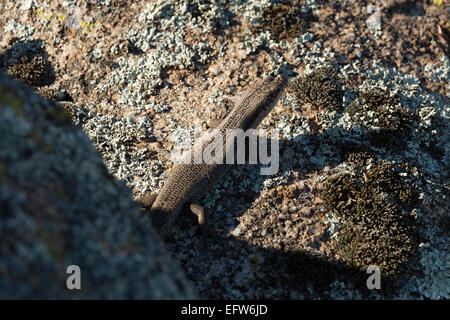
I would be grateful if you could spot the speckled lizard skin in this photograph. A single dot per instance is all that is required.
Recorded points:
(187, 183)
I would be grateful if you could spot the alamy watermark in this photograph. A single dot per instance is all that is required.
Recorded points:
(374, 281)
(74, 280)
(228, 146)
(73, 18)
(374, 21)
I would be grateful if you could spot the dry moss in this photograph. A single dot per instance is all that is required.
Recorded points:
(384, 115)
(372, 207)
(283, 20)
(378, 109)
(321, 88)
(32, 70)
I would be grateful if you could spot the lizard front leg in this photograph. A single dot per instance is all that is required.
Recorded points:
(147, 200)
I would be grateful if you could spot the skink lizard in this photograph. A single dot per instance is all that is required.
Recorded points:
(188, 183)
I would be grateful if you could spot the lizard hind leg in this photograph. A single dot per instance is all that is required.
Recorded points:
(199, 211)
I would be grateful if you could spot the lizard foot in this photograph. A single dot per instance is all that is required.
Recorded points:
(199, 211)
(146, 201)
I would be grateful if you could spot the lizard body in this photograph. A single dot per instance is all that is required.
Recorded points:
(187, 183)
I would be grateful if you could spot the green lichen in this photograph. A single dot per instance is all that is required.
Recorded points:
(372, 207)
(321, 88)
(255, 269)
(48, 148)
(283, 20)
(57, 249)
(61, 192)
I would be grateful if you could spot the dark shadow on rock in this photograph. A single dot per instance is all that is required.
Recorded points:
(301, 269)
(61, 207)
(410, 8)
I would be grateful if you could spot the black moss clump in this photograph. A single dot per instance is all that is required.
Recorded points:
(33, 71)
(385, 176)
(27, 61)
(356, 154)
(384, 115)
(283, 20)
(359, 159)
(321, 88)
(372, 208)
(380, 110)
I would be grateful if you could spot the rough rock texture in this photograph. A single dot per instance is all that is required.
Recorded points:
(135, 75)
(59, 206)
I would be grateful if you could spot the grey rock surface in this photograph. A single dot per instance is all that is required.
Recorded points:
(59, 206)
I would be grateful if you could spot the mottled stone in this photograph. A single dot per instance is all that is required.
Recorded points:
(59, 206)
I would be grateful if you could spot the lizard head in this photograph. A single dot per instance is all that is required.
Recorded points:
(259, 100)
